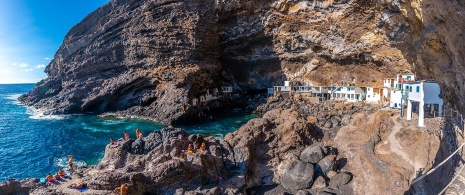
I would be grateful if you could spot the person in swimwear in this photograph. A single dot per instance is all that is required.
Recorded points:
(70, 162)
(126, 135)
(112, 141)
(49, 178)
(61, 172)
(138, 133)
(58, 177)
(78, 186)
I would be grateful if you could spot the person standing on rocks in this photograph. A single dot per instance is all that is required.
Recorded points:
(70, 162)
(126, 135)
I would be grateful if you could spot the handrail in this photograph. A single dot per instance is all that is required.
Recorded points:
(462, 127)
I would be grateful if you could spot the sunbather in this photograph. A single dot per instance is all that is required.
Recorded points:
(61, 172)
(78, 186)
(58, 177)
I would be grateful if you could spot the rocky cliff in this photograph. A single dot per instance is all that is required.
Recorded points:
(143, 57)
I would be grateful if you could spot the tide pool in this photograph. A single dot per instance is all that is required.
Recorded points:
(34, 145)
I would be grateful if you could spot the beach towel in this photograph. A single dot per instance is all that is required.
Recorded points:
(83, 189)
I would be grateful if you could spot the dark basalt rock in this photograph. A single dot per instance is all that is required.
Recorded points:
(312, 154)
(298, 175)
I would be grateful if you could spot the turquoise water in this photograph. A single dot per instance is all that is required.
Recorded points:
(33, 145)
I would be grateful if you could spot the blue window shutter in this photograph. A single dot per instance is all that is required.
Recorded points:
(410, 88)
(418, 88)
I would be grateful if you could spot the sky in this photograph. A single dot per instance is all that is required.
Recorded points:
(31, 31)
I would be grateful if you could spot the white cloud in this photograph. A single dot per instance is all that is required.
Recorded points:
(46, 58)
(23, 65)
(28, 70)
(15, 64)
(40, 66)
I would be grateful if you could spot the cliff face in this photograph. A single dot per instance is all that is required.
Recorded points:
(142, 57)
(138, 56)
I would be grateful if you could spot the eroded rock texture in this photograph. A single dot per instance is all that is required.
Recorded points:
(142, 57)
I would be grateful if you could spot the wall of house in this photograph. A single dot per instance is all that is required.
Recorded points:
(395, 98)
(414, 95)
(432, 91)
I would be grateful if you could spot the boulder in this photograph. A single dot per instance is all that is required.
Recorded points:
(327, 164)
(137, 146)
(319, 183)
(152, 140)
(312, 154)
(298, 175)
(340, 179)
(345, 120)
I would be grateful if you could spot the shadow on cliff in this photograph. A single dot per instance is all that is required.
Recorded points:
(247, 52)
(441, 177)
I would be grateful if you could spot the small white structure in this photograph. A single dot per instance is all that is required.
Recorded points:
(373, 94)
(350, 93)
(423, 92)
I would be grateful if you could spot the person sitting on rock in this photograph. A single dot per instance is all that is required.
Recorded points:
(50, 178)
(58, 177)
(61, 172)
(124, 188)
(112, 142)
(202, 147)
(126, 135)
(138, 133)
(190, 150)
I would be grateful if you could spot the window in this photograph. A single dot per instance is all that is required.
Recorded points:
(410, 88)
(348, 89)
(418, 88)
(409, 77)
(394, 91)
(368, 96)
(406, 87)
(369, 89)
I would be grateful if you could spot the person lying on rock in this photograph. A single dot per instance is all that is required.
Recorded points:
(78, 186)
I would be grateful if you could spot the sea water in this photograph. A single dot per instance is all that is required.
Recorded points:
(32, 145)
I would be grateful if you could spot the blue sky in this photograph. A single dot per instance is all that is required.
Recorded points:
(31, 31)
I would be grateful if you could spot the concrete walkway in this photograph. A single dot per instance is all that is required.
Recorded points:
(397, 148)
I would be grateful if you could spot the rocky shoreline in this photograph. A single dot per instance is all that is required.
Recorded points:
(297, 147)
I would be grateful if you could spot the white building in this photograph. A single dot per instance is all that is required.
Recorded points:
(423, 93)
(395, 90)
(373, 94)
(349, 93)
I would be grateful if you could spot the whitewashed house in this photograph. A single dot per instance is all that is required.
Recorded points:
(398, 88)
(349, 93)
(423, 93)
(373, 94)
(227, 90)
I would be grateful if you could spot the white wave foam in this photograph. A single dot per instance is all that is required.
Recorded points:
(63, 163)
(14, 99)
(39, 114)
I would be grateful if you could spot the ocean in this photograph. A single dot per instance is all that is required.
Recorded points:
(33, 145)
